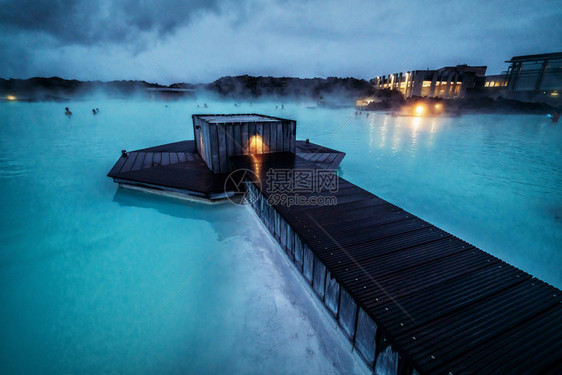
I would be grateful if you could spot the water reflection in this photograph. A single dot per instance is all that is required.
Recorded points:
(416, 123)
(414, 133)
(219, 215)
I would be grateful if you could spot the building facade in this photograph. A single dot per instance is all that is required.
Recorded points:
(495, 80)
(535, 77)
(446, 82)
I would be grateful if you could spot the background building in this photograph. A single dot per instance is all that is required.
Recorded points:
(496, 80)
(535, 77)
(446, 82)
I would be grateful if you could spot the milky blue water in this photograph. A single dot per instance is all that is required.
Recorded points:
(94, 279)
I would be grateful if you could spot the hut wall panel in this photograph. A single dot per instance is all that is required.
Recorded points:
(365, 338)
(319, 277)
(293, 136)
(205, 153)
(235, 139)
(197, 122)
(214, 147)
(284, 129)
(284, 136)
(287, 129)
(221, 137)
(259, 133)
(287, 145)
(229, 146)
(251, 133)
(273, 139)
(266, 132)
(332, 294)
(244, 143)
(207, 145)
(348, 313)
(308, 264)
(196, 133)
(279, 145)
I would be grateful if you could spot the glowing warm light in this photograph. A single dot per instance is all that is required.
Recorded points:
(11, 97)
(554, 93)
(256, 145)
(201, 144)
(363, 102)
(419, 110)
(256, 164)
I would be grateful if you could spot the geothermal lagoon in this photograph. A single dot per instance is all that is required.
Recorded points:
(96, 279)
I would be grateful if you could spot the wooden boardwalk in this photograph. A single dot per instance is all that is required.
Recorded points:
(178, 167)
(410, 296)
(323, 157)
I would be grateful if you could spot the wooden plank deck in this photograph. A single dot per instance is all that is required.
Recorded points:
(175, 166)
(440, 304)
(323, 157)
(179, 166)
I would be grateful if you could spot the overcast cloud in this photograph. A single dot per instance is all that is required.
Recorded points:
(199, 41)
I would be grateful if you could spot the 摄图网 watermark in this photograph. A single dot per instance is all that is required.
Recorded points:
(301, 200)
(288, 186)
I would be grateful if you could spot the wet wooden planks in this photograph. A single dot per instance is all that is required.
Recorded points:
(443, 305)
(175, 166)
(324, 157)
(178, 165)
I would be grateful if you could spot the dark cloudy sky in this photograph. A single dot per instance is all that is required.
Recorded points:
(199, 41)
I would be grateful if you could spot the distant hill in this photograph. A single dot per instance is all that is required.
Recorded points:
(56, 88)
(254, 87)
(39, 88)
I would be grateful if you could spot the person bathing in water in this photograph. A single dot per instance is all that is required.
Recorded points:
(68, 113)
